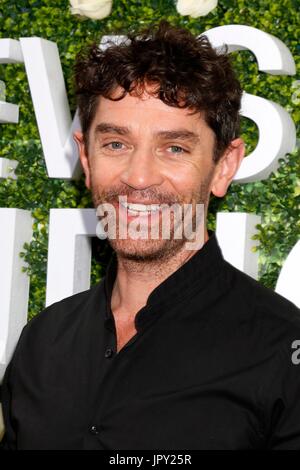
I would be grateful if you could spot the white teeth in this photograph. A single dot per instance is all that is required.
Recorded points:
(135, 209)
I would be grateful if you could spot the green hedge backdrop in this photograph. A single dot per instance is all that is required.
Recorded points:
(277, 199)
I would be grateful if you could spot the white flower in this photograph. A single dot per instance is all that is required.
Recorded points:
(195, 8)
(95, 9)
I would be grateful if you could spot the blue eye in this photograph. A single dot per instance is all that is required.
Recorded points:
(115, 145)
(176, 149)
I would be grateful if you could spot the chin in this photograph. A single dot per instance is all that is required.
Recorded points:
(146, 250)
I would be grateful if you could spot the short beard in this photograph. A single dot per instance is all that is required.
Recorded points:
(155, 250)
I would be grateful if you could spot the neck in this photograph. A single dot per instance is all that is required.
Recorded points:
(136, 280)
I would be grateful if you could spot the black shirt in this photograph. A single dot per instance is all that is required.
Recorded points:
(209, 368)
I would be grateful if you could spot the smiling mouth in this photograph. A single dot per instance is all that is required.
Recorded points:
(140, 209)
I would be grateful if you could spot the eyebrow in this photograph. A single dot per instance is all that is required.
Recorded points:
(176, 134)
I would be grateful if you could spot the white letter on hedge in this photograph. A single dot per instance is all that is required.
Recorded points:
(234, 233)
(51, 107)
(288, 283)
(277, 133)
(10, 52)
(69, 252)
(16, 229)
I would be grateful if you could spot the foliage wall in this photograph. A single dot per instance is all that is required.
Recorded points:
(277, 199)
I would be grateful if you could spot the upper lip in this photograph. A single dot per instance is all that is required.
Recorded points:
(146, 203)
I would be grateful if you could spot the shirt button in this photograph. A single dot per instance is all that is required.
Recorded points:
(94, 430)
(108, 353)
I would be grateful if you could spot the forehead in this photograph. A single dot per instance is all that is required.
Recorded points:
(145, 109)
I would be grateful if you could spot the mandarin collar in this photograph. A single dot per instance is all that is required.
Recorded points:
(198, 269)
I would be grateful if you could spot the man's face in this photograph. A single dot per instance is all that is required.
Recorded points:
(152, 153)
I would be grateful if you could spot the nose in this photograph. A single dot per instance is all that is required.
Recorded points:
(141, 171)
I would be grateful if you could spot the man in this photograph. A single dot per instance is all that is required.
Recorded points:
(174, 348)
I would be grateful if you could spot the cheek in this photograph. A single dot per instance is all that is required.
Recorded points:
(186, 177)
(103, 172)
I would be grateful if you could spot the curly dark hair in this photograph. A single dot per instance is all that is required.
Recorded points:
(186, 71)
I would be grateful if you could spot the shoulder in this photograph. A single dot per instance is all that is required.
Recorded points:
(73, 306)
(68, 314)
(277, 317)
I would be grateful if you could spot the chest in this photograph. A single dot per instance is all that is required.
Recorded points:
(124, 332)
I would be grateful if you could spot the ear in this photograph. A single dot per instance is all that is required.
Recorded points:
(227, 167)
(78, 137)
